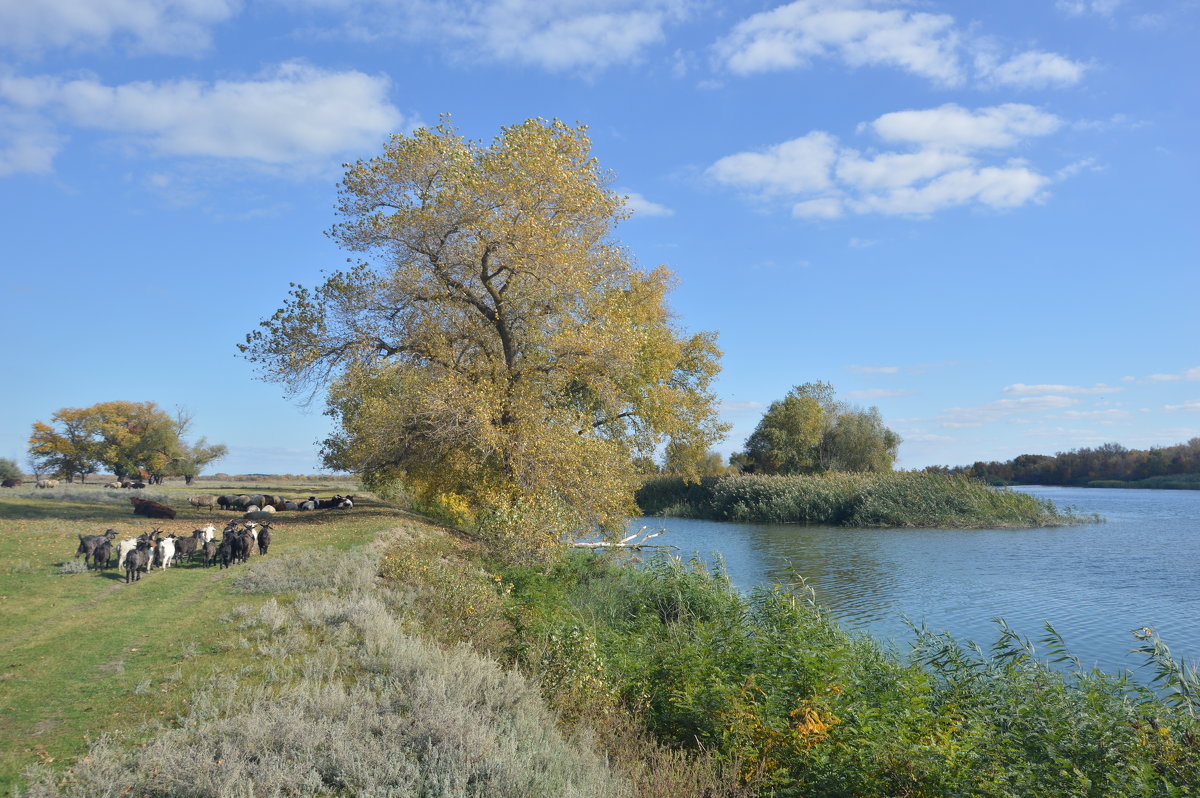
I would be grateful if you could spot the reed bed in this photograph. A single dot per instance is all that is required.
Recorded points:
(897, 499)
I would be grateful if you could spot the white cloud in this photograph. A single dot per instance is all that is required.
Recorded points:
(952, 127)
(1100, 415)
(1022, 389)
(792, 167)
(640, 206)
(966, 417)
(883, 33)
(28, 143)
(296, 115)
(570, 35)
(1192, 374)
(790, 36)
(823, 208)
(159, 26)
(1075, 8)
(1192, 405)
(944, 167)
(873, 369)
(1035, 70)
(1164, 378)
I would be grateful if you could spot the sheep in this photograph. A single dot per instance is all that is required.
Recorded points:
(102, 555)
(47, 483)
(203, 500)
(311, 504)
(290, 505)
(113, 485)
(258, 515)
(165, 555)
(137, 561)
(89, 543)
(264, 539)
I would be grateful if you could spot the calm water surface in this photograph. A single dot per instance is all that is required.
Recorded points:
(1094, 582)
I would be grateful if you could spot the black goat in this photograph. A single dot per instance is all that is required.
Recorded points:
(137, 561)
(89, 543)
(264, 538)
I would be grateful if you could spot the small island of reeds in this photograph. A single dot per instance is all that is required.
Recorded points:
(895, 499)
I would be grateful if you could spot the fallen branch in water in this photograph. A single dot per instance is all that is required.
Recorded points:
(626, 543)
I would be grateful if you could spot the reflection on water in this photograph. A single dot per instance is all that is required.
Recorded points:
(1094, 582)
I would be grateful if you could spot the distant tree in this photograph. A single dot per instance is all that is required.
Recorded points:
(194, 457)
(809, 431)
(689, 461)
(66, 447)
(9, 469)
(123, 437)
(859, 441)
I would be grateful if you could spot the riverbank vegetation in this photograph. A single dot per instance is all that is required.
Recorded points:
(892, 499)
(377, 653)
(1107, 466)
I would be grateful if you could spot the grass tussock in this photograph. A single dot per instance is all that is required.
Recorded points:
(898, 499)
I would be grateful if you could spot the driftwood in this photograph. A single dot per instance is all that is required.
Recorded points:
(625, 543)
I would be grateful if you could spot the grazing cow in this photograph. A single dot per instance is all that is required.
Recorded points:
(151, 509)
(12, 482)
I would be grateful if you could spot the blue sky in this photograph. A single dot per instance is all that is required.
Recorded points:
(979, 217)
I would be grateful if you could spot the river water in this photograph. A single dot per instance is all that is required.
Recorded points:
(1094, 582)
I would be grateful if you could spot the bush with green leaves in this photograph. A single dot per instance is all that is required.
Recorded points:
(9, 469)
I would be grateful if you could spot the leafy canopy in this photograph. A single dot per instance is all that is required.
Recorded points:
(809, 431)
(494, 346)
(122, 437)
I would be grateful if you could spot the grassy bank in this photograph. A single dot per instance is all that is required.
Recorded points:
(899, 499)
(411, 660)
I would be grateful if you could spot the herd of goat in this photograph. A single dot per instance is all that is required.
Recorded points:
(155, 549)
(241, 537)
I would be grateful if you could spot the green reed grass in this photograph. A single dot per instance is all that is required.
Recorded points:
(897, 499)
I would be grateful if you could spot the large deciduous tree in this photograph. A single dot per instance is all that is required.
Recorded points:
(809, 431)
(123, 437)
(494, 346)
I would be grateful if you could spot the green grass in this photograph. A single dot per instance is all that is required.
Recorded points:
(897, 499)
(78, 646)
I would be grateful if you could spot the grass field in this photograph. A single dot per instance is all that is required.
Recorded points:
(85, 653)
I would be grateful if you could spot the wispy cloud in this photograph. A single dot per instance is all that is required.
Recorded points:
(583, 35)
(737, 406)
(640, 206)
(879, 33)
(879, 393)
(1021, 389)
(173, 27)
(1192, 405)
(873, 369)
(964, 417)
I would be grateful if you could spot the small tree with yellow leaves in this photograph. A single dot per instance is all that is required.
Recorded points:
(493, 343)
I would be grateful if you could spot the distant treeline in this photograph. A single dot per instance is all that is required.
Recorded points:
(1107, 466)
